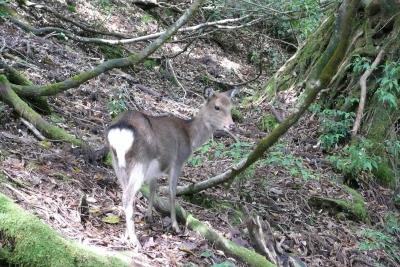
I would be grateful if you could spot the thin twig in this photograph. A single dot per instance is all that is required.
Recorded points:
(35, 131)
(169, 65)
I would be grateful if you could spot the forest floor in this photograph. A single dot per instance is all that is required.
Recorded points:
(49, 179)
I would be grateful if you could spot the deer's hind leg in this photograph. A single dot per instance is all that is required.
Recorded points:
(136, 178)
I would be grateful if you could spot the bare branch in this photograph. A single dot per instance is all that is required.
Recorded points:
(219, 24)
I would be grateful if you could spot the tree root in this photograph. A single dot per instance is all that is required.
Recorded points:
(250, 257)
(363, 95)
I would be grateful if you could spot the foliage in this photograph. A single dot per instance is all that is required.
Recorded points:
(105, 5)
(71, 8)
(311, 16)
(278, 156)
(237, 116)
(355, 158)
(254, 57)
(389, 89)
(117, 105)
(299, 17)
(150, 64)
(393, 148)
(146, 18)
(215, 150)
(360, 64)
(335, 125)
(4, 11)
(267, 123)
(385, 239)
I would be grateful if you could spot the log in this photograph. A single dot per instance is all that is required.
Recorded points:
(26, 241)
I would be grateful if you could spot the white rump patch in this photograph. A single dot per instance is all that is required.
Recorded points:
(121, 140)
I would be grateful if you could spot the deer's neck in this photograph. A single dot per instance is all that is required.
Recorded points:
(200, 131)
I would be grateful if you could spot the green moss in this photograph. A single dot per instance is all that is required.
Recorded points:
(237, 115)
(112, 51)
(150, 64)
(385, 175)
(108, 160)
(267, 123)
(354, 208)
(26, 241)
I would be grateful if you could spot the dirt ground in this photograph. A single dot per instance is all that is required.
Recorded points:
(50, 178)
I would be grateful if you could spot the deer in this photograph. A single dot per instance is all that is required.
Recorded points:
(145, 147)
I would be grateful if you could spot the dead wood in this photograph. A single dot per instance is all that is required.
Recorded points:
(263, 240)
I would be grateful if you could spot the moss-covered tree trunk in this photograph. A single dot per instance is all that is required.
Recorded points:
(376, 27)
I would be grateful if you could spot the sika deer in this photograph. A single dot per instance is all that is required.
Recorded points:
(145, 147)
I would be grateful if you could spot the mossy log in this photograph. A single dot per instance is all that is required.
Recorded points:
(25, 111)
(26, 241)
(354, 208)
(248, 256)
(40, 103)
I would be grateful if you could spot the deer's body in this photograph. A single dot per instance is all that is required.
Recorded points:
(146, 147)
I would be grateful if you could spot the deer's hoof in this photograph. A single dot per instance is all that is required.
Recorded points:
(176, 228)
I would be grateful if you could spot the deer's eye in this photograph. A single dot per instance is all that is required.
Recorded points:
(217, 108)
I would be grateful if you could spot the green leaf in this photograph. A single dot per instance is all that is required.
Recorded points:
(207, 254)
(224, 264)
(111, 219)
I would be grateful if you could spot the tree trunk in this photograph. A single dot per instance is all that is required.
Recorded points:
(375, 27)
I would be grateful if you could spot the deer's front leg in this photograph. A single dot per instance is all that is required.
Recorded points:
(173, 180)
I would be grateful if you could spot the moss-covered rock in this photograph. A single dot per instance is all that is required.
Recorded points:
(354, 209)
(26, 241)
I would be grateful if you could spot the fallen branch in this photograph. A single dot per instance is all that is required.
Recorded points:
(250, 257)
(26, 112)
(33, 129)
(363, 95)
(45, 30)
(14, 76)
(174, 77)
(78, 79)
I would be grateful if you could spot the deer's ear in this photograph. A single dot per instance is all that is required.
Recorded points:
(231, 93)
(208, 93)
